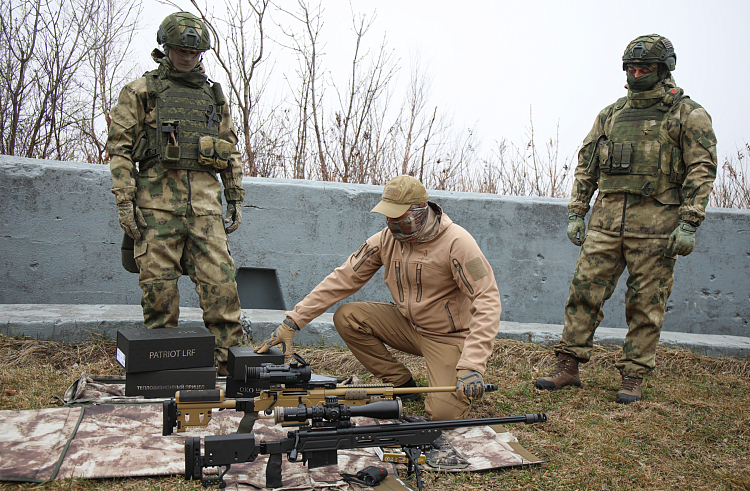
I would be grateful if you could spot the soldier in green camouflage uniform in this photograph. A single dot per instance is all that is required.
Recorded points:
(176, 125)
(652, 156)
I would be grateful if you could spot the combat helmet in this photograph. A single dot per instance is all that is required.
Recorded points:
(184, 30)
(651, 48)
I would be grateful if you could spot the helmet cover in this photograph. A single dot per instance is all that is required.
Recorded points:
(651, 48)
(184, 30)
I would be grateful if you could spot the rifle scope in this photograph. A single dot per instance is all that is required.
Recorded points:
(280, 374)
(332, 411)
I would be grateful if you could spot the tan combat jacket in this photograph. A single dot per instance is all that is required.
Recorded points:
(445, 287)
(157, 187)
(633, 215)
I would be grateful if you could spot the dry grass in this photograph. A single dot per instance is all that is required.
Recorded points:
(691, 431)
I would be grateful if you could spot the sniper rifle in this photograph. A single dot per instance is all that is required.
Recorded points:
(294, 386)
(317, 444)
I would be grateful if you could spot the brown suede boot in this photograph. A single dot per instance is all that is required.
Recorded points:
(564, 374)
(630, 390)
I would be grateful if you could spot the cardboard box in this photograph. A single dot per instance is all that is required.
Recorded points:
(394, 454)
(243, 356)
(150, 350)
(164, 383)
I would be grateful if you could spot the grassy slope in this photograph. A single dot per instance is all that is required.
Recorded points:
(691, 431)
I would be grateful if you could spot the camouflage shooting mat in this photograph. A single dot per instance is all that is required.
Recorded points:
(125, 440)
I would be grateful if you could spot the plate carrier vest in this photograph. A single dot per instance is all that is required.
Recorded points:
(187, 108)
(637, 155)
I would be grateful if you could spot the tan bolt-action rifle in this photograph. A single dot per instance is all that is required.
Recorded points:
(195, 407)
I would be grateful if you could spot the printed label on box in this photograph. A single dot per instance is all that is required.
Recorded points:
(120, 357)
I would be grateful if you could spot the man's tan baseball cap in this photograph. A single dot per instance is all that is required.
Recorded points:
(399, 194)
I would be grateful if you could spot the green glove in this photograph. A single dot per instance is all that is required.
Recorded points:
(471, 383)
(283, 335)
(130, 217)
(682, 240)
(234, 216)
(576, 228)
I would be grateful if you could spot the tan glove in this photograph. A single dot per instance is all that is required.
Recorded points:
(283, 335)
(234, 216)
(471, 383)
(130, 217)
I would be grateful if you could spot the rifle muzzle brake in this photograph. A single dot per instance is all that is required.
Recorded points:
(536, 418)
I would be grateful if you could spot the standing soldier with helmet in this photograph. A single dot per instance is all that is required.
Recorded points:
(175, 124)
(652, 155)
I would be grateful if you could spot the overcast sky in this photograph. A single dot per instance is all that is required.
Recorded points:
(490, 62)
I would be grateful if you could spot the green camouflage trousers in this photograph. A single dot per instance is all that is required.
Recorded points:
(208, 264)
(600, 263)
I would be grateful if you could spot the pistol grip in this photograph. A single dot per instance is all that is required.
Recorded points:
(273, 471)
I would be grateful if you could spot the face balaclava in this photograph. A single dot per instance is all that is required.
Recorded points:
(409, 227)
(194, 78)
(182, 60)
(647, 81)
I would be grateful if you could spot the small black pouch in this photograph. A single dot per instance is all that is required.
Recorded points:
(369, 476)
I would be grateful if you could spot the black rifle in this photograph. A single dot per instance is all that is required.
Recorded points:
(319, 442)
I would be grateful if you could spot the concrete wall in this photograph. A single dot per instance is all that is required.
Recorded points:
(60, 244)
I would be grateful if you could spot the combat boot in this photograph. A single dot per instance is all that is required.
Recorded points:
(221, 369)
(630, 390)
(564, 374)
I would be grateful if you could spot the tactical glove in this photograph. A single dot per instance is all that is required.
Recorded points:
(234, 216)
(130, 217)
(682, 240)
(284, 335)
(471, 383)
(576, 228)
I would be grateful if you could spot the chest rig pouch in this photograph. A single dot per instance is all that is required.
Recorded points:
(187, 126)
(637, 155)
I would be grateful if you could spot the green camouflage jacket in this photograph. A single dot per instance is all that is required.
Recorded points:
(157, 187)
(634, 215)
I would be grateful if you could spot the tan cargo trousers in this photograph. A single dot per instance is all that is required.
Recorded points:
(367, 327)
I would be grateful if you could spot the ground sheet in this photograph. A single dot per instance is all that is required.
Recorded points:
(125, 440)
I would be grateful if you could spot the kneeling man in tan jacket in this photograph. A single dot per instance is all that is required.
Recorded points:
(447, 305)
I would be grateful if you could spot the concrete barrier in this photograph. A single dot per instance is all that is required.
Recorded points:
(60, 244)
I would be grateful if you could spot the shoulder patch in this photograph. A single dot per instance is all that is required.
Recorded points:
(122, 117)
(476, 269)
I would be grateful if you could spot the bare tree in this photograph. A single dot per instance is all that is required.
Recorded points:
(43, 94)
(732, 185)
(309, 94)
(114, 25)
(64, 61)
(242, 32)
(416, 101)
(354, 118)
